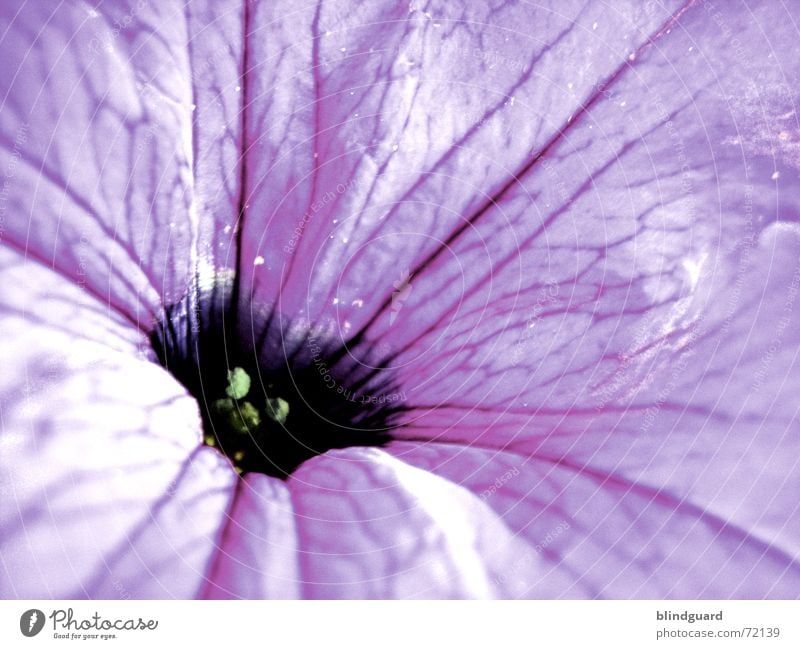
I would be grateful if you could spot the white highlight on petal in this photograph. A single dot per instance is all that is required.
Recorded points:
(453, 509)
(693, 268)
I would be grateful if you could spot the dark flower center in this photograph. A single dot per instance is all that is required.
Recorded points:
(272, 403)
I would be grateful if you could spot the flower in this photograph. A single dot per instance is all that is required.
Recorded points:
(589, 392)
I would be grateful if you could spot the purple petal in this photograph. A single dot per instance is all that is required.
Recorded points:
(98, 123)
(107, 490)
(257, 557)
(111, 494)
(589, 309)
(593, 532)
(577, 254)
(358, 523)
(348, 166)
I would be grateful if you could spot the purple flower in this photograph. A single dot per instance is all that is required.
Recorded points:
(390, 300)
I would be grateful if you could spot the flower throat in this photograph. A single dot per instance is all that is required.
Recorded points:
(269, 406)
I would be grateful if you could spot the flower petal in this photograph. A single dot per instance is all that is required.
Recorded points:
(371, 526)
(636, 231)
(358, 523)
(107, 492)
(257, 556)
(353, 176)
(596, 533)
(105, 137)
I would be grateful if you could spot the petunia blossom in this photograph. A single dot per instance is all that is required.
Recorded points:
(507, 291)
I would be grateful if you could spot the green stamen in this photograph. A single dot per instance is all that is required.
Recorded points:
(238, 383)
(277, 410)
(240, 425)
(241, 417)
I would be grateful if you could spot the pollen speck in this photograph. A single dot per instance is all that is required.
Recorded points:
(238, 383)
